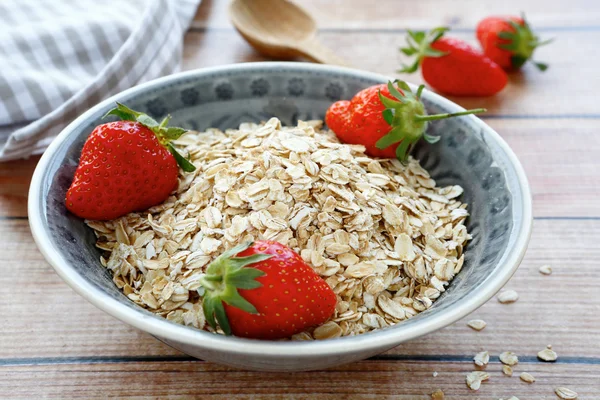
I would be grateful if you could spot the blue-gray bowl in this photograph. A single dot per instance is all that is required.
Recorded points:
(470, 154)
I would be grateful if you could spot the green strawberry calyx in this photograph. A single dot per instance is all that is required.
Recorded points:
(521, 42)
(419, 45)
(223, 277)
(164, 134)
(408, 119)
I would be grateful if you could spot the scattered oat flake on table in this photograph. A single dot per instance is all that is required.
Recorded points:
(508, 296)
(509, 358)
(548, 355)
(437, 395)
(546, 269)
(566, 394)
(507, 370)
(475, 378)
(481, 359)
(527, 377)
(477, 324)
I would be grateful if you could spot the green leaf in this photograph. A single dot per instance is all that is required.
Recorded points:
(388, 115)
(438, 32)
(389, 103)
(417, 36)
(403, 85)
(208, 306)
(506, 35)
(409, 69)
(409, 51)
(540, 66)
(402, 151)
(394, 92)
(512, 47)
(246, 280)
(420, 91)
(542, 43)
(253, 259)
(431, 139)
(235, 250)
(394, 136)
(181, 161)
(164, 122)
(120, 114)
(514, 25)
(147, 120)
(234, 299)
(431, 52)
(222, 318)
(173, 133)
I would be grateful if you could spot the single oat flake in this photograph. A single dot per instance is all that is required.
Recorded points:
(548, 355)
(507, 370)
(508, 296)
(384, 237)
(437, 395)
(509, 358)
(481, 359)
(546, 270)
(477, 324)
(566, 394)
(527, 377)
(475, 378)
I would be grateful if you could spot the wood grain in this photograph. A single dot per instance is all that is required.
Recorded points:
(53, 344)
(394, 14)
(45, 318)
(366, 380)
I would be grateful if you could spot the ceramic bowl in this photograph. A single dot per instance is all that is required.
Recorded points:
(470, 154)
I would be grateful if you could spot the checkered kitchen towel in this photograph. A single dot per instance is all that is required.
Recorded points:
(60, 57)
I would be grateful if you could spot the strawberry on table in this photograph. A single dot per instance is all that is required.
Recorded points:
(125, 166)
(387, 119)
(509, 41)
(452, 66)
(264, 290)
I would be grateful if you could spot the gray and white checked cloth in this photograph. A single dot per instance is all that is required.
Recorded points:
(58, 58)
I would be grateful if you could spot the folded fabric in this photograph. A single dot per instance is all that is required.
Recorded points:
(60, 57)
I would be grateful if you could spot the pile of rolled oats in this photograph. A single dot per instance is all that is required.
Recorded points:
(382, 235)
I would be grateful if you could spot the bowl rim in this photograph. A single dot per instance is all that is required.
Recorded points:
(371, 342)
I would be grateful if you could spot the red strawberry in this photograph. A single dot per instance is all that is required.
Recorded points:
(388, 120)
(452, 66)
(278, 296)
(125, 166)
(509, 41)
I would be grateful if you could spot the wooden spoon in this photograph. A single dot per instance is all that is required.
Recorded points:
(280, 29)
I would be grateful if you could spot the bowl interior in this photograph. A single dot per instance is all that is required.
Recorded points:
(468, 154)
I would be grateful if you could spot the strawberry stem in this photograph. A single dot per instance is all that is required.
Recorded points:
(408, 119)
(521, 42)
(436, 117)
(418, 43)
(163, 133)
(224, 276)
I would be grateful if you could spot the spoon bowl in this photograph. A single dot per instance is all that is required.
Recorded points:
(280, 29)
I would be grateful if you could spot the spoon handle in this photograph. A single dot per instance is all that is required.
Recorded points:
(315, 51)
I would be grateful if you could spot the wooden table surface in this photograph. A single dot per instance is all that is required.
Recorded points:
(54, 344)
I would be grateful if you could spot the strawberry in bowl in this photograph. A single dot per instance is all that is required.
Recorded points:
(127, 165)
